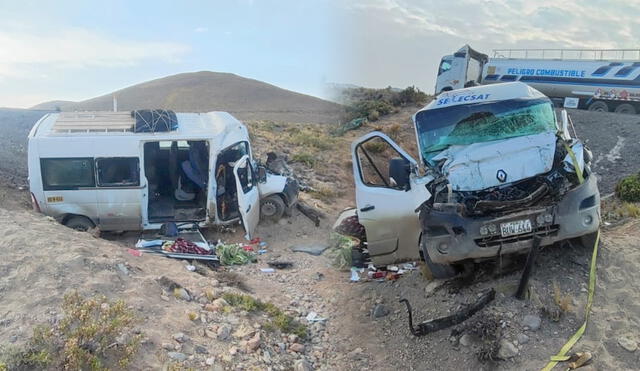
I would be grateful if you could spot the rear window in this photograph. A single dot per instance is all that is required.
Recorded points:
(67, 173)
(118, 172)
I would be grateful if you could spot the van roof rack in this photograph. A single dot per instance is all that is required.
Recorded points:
(85, 122)
(580, 54)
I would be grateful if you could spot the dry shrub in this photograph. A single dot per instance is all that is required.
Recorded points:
(393, 131)
(563, 301)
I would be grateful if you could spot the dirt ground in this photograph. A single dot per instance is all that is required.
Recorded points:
(43, 260)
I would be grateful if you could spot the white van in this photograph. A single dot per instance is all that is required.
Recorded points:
(137, 170)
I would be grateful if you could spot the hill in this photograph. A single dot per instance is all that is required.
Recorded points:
(204, 91)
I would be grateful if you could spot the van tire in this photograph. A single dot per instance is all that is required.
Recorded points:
(598, 106)
(272, 208)
(626, 109)
(435, 270)
(79, 223)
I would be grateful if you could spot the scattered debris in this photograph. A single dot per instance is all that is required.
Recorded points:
(280, 264)
(628, 343)
(507, 350)
(314, 249)
(313, 317)
(532, 322)
(379, 311)
(234, 254)
(310, 212)
(452, 320)
(267, 270)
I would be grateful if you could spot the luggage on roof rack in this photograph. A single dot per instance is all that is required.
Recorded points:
(154, 120)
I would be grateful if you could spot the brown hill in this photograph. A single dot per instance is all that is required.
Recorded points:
(204, 91)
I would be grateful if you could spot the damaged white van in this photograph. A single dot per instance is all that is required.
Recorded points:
(496, 168)
(137, 170)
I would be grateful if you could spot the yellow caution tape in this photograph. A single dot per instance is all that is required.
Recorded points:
(562, 354)
(575, 163)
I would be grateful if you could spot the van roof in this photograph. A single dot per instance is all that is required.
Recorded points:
(99, 123)
(484, 93)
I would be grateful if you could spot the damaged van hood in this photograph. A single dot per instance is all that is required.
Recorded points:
(484, 165)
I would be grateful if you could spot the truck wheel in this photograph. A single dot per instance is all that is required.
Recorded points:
(272, 208)
(435, 270)
(598, 106)
(626, 109)
(79, 223)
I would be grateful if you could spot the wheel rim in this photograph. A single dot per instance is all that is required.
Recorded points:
(269, 208)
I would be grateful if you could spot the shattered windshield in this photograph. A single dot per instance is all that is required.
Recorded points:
(482, 122)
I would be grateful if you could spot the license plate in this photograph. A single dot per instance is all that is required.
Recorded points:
(514, 228)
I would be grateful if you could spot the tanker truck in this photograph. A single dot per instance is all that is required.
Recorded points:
(598, 80)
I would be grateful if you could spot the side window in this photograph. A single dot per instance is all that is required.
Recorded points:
(247, 178)
(445, 66)
(67, 173)
(118, 172)
(375, 157)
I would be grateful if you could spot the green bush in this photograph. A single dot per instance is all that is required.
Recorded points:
(628, 189)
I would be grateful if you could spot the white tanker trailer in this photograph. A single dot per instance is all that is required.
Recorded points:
(598, 80)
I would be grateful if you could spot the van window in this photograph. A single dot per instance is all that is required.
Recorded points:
(67, 173)
(445, 66)
(118, 172)
(247, 180)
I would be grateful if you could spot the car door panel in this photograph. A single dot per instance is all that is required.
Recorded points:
(248, 195)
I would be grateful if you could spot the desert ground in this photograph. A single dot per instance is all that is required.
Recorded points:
(364, 326)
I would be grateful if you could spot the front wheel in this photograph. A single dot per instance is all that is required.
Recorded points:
(598, 106)
(435, 270)
(79, 223)
(272, 208)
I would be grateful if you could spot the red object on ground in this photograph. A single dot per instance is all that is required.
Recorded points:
(187, 247)
(134, 252)
(380, 274)
(247, 248)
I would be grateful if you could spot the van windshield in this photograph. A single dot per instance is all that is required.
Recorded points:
(482, 122)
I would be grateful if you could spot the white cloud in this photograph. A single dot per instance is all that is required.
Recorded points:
(77, 48)
(200, 29)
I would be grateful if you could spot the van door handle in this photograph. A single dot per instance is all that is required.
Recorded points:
(367, 208)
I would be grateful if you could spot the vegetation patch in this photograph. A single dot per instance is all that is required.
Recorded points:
(628, 189)
(95, 334)
(375, 103)
(304, 158)
(278, 319)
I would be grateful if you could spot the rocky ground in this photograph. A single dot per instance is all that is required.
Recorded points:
(364, 326)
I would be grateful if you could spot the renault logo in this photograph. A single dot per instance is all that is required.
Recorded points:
(502, 176)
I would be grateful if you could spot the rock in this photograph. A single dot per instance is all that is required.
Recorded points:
(380, 311)
(466, 340)
(432, 286)
(297, 347)
(180, 337)
(168, 346)
(628, 343)
(532, 322)
(223, 333)
(522, 338)
(302, 365)
(254, 343)
(176, 356)
(243, 332)
(233, 350)
(313, 249)
(216, 305)
(182, 294)
(292, 338)
(282, 347)
(123, 269)
(210, 361)
(201, 349)
(507, 350)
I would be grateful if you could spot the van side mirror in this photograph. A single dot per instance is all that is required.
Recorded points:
(262, 174)
(400, 172)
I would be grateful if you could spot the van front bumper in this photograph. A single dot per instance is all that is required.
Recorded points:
(450, 237)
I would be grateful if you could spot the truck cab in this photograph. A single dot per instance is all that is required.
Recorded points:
(495, 168)
(460, 70)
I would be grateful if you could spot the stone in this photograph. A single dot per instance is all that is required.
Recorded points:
(216, 305)
(123, 269)
(224, 332)
(243, 332)
(532, 322)
(233, 350)
(507, 350)
(466, 340)
(177, 356)
(522, 338)
(380, 311)
(182, 294)
(180, 337)
(302, 365)
(168, 346)
(297, 347)
(313, 249)
(628, 343)
(201, 349)
(292, 338)
(210, 361)
(254, 343)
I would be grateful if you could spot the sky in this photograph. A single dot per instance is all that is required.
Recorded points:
(75, 50)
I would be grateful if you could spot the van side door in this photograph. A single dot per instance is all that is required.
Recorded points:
(387, 196)
(248, 195)
(118, 193)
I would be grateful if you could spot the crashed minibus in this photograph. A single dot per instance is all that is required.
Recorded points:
(496, 168)
(138, 170)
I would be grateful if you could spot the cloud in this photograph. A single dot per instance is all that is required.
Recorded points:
(200, 29)
(23, 52)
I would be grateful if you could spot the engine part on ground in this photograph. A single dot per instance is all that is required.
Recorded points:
(462, 315)
(528, 267)
(311, 212)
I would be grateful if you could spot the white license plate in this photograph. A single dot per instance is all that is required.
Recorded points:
(514, 228)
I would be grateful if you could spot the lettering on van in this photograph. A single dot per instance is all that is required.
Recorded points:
(54, 199)
(462, 98)
(545, 72)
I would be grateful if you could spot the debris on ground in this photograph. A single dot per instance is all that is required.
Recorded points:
(280, 264)
(234, 254)
(315, 249)
(311, 212)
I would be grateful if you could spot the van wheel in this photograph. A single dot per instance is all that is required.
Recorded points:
(435, 270)
(79, 223)
(272, 208)
(598, 106)
(626, 109)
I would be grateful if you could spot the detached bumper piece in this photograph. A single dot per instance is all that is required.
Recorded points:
(438, 324)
